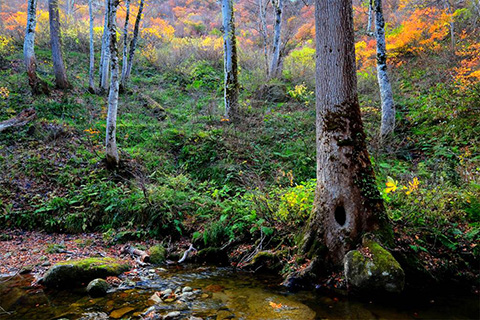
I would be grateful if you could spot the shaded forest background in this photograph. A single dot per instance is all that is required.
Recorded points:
(186, 172)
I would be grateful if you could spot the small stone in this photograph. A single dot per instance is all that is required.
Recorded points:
(172, 315)
(187, 296)
(151, 271)
(224, 314)
(204, 296)
(117, 314)
(155, 298)
(187, 289)
(168, 300)
(98, 288)
(195, 318)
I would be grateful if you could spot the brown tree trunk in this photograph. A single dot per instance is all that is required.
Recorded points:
(55, 41)
(347, 202)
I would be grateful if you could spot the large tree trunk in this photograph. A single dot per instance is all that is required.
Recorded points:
(386, 94)
(105, 54)
(55, 41)
(275, 67)
(37, 85)
(347, 202)
(125, 45)
(230, 61)
(91, 76)
(112, 156)
(133, 44)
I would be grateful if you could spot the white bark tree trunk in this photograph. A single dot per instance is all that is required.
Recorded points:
(91, 76)
(262, 14)
(61, 81)
(275, 67)
(230, 61)
(133, 44)
(386, 94)
(112, 156)
(370, 17)
(37, 85)
(125, 45)
(347, 202)
(105, 54)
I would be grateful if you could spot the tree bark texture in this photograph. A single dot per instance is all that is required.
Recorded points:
(91, 76)
(133, 43)
(347, 202)
(61, 81)
(38, 86)
(275, 70)
(125, 44)
(262, 14)
(386, 95)
(112, 156)
(105, 54)
(230, 61)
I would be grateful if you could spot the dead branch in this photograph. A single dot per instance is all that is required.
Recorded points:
(185, 254)
(21, 119)
(140, 256)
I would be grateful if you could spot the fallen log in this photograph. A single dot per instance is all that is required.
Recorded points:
(21, 119)
(141, 256)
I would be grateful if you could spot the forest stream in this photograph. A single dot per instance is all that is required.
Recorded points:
(216, 293)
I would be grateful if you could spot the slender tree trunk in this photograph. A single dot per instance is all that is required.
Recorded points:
(61, 81)
(91, 76)
(105, 54)
(37, 85)
(230, 61)
(370, 17)
(386, 94)
(275, 70)
(450, 9)
(125, 45)
(262, 14)
(133, 44)
(347, 202)
(112, 156)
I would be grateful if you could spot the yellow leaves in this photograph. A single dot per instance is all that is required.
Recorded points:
(391, 185)
(4, 92)
(412, 185)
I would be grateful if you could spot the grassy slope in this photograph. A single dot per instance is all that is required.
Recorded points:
(187, 173)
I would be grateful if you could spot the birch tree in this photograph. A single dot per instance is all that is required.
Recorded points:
(104, 68)
(386, 94)
(262, 14)
(37, 85)
(112, 156)
(347, 202)
(230, 61)
(133, 44)
(125, 44)
(275, 66)
(61, 81)
(91, 85)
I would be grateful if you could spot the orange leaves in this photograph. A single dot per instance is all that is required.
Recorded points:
(275, 305)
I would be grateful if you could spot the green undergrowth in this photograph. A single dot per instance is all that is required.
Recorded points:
(187, 173)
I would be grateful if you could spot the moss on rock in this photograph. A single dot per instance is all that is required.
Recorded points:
(157, 254)
(374, 270)
(68, 274)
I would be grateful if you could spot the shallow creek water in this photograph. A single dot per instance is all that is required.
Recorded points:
(220, 293)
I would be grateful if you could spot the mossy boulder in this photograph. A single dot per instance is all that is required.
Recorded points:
(373, 269)
(69, 274)
(98, 288)
(267, 261)
(157, 254)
